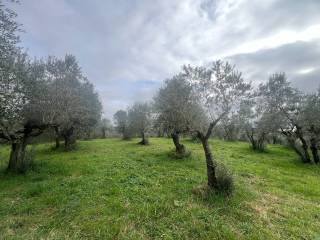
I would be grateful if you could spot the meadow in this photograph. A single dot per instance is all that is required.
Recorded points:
(115, 189)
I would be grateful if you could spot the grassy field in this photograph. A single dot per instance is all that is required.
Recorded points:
(113, 189)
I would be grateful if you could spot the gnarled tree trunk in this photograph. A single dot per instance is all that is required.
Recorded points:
(306, 156)
(57, 143)
(69, 142)
(257, 143)
(69, 139)
(314, 150)
(180, 148)
(104, 132)
(144, 140)
(57, 136)
(303, 153)
(211, 166)
(17, 162)
(275, 139)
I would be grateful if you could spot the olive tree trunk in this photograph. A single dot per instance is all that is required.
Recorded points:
(57, 137)
(210, 162)
(257, 142)
(211, 165)
(104, 132)
(180, 148)
(306, 156)
(302, 151)
(17, 162)
(144, 140)
(69, 139)
(69, 142)
(314, 150)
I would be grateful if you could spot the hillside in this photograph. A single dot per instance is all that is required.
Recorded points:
(113, 189)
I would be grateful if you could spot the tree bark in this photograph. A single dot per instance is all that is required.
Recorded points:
(292, 143)
(211, 166)
(274, 140)
(180, 148)
(57, 143)
(69, 142)
(57, 137)
(69, 139)
(306, 156)
(261, 142)
(257, 143)
(314, 150)
(104, 132)
(17, 162)
(253, 144)
(291, 138)
(144, 140)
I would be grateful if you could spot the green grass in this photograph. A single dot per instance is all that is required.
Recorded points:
(113, 189)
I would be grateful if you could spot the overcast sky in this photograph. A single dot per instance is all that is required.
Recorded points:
(128, 47)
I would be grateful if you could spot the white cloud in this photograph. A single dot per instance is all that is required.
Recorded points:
(281, 38)
(306, 70)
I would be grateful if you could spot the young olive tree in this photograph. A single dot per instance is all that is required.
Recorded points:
(220, 89)
(140, 120)
(176, 108)
(122, 124)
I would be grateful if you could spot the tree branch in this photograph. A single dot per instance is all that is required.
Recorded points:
(213, 124)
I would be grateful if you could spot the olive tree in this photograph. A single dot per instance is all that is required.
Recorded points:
(258, 122)
(220, 89)
(23, 90)
(231, 127)
(311, 119)
(105, 126)
(140, 120)
(9, 35)
(23, 104)
(76, 107)
(122, 124)
(11, 92)
(286, 103)
(176, 108)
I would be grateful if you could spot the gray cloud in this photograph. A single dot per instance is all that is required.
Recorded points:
(128, 47)
(300, 61)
